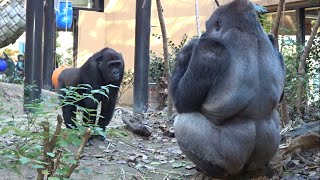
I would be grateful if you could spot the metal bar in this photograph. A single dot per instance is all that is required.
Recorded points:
(75, 37)
(33, 60)
(301, 32)
(141, 65)
(49, 45)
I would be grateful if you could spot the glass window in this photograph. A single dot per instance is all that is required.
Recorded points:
(82, 3)
(310, 19)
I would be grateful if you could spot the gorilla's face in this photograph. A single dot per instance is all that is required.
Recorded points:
(114, 70)
(111, 66)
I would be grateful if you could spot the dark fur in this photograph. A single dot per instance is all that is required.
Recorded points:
(103, 68)
(226, 86)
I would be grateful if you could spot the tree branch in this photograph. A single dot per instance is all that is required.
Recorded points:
(165, 52)
(217, 3)
(86, 136)
(55, 137)
(275, 28)
(307, 49)
(302, 66)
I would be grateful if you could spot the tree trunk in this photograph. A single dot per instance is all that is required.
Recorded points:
(302, 66)
(197, 18)
(165, 53)
(275, 29)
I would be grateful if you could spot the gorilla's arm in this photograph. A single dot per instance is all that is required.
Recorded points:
(273, 42)
(107, 107)
(209, 63)
(182, 62)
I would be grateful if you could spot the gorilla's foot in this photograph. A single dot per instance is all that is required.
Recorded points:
(201, 176)
(208, 175)
(90, 142)
(98, 137)
(263, 172)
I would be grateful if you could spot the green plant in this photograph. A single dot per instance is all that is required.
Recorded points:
(156, 66)
(313, 74)
(63, 56)
(291, 51)
(34, 143)
(290, 55)
(127, 83)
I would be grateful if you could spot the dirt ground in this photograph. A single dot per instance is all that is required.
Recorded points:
(130, 156)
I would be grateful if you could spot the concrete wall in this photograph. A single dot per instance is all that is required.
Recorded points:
(116, 27)
(91, 34)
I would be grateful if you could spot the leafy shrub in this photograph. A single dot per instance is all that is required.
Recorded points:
(31, 140)
(127, 82)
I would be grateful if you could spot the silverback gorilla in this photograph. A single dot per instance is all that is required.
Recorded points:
(226, 86)
(103, 68)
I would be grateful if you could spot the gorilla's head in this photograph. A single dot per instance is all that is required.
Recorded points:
(111, 70)
(105, 66)
(110, 65)
(232, 18)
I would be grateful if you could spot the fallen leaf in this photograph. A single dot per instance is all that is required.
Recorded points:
(160, 157)
(164, 140)
(189, 167)
(145, 161)
(176, 151)
(312, 173)
(121, 162)
(150, 167)
(178, 165)
(132, 158)
(143, 156)
(155, 163)
(296, 162)
(151, 150)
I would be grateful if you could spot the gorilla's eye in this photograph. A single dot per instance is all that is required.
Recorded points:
(99, 60)
(217, 25)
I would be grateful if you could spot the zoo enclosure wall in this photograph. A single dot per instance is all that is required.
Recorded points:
(115, 27)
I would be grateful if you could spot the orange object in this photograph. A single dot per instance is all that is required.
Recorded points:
(56, 73)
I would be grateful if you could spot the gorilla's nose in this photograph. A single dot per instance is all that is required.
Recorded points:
(116, 72)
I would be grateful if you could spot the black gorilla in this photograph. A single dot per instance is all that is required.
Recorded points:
(226, 86)
(103, 68)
